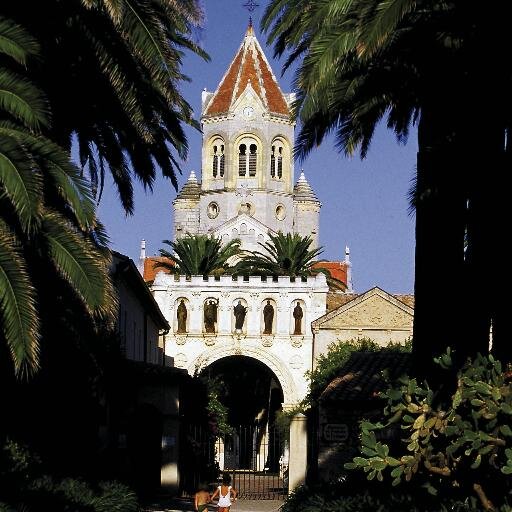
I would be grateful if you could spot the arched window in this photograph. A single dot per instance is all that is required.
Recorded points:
(253, 154)
(217, 158)
(242, 160)
(247, 157)
(276, 159)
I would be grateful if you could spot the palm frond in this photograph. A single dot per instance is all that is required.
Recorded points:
(80, 263)
(19, 180)
(18, 314)
(16, 42)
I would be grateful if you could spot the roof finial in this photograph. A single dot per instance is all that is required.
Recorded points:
(142, 256)
(250, 5)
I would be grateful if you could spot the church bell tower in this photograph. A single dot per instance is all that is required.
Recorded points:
(247, 177)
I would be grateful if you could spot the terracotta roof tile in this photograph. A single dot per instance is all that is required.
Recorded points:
(150, 271)
(338, 269)
(224, 94)
(249, 65)
(276, 101)
(408, 300)
(337, 299)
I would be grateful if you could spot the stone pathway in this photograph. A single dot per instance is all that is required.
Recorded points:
(186, 505)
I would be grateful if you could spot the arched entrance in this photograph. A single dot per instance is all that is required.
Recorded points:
(248, 389)
(249, 443)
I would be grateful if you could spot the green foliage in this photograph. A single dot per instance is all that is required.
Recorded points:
(458, 447)
(25, 487)
(118, 91)
(355, 496)
(199, 255)
(282, 422)
(47, 212)
(287, 255)
(328, 365)
(217, 411)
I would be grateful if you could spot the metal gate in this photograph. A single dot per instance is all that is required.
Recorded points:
(256, 458)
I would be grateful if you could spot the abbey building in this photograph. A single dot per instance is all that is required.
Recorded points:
(247, 190)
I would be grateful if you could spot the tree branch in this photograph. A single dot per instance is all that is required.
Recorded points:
(486, 503)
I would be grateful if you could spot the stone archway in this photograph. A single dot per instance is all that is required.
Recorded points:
(290, 394)
(251, 442)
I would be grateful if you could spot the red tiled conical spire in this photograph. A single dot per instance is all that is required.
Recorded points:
(249, 66)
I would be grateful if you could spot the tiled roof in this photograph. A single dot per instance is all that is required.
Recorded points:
(191, 189)
(407, 299)
(338, 299)
(338, 269)
(361, 378)
(249, 66)
(150, 271)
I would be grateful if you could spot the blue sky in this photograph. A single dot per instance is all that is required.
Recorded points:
(364, 202)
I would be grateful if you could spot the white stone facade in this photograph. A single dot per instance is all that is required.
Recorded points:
(289, 356)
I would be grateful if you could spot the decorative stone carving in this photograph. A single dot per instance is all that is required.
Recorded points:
(180, 360)
(297, 341)
(374, 312)
(209, 340)
(267, 341)
(180, 340)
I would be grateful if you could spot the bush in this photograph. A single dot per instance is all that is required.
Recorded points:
(25, 487)
(351, 496)
(460, 447)
(329, 365)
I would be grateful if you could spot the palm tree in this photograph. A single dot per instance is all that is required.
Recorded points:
(195, 255)
(47, 214)
(412, 62)
(117, 63)
(287, 255)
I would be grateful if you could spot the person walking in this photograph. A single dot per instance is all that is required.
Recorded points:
(202, 498)
(226, 494)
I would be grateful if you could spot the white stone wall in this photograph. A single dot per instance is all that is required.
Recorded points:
(186, 217)
(307, 221)
(288, 356)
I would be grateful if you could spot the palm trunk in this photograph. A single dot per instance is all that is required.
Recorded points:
(487, 263)
(439, 261)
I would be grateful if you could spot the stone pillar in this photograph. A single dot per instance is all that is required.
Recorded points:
(298, 452)
(169, 476)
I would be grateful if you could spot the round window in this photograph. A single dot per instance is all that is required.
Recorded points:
(246, 208)
(213, 210)
(280, 212)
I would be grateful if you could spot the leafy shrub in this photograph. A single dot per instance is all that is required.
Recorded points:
(460, 447)
(354, 497)
(24, 487)
(328, 365)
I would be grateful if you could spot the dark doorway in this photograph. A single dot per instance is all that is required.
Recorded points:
(144, 443)
(247, 388)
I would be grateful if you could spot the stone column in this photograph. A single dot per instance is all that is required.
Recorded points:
(298, 452)
(169, 476)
